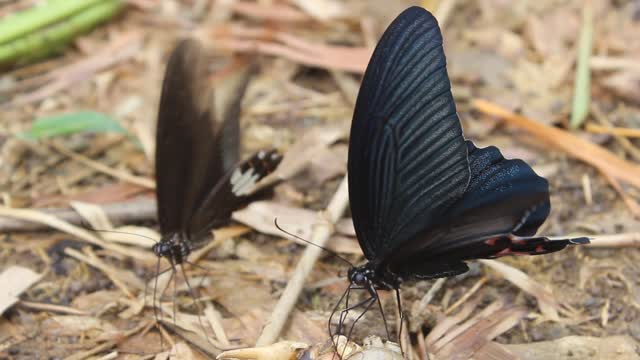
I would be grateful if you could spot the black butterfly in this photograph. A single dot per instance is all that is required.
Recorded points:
(200, 180)
(423, 199)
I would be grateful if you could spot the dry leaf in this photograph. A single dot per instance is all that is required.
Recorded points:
(270, 12)
(481, 333)
(284, 350)
(593, 154)
(494, 351)
(93, 214)
(579, 347)
(300, 154)
(329, 163)
(288, 46)
(323, 10)
(546, 301)
(260, 216)
(625, 84)
(70, 325)
(15, 280)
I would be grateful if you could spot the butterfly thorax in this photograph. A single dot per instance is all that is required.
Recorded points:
(175, 247)
(371, 276)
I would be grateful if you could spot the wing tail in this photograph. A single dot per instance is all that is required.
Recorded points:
(514, 245)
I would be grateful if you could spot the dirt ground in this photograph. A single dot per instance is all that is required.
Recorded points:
(86, 298)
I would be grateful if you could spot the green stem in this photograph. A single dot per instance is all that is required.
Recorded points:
(48, 40)
(582, 86)
(25, 22)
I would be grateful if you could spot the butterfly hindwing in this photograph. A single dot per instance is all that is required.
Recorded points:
(188, 159)
(505, 198)
(407, 156)
(235, 190)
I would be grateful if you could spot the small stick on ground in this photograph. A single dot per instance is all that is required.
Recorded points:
(467, 295)
(135, 210)
(426, 299)
(321, 233)
(615, 241)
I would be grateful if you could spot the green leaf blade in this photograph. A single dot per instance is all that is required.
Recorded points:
(70, 123)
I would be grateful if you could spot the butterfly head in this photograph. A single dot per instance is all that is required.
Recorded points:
(361, 275)
(173, 247)
(370, 276)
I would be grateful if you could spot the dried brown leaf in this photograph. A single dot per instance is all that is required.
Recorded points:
(93, 214)
(454, 332)
(14, 280)
(270, 12)
(291, 47)
(323, 10)
(444, 325)
(546, 301)
(579, 347)
(592, 154)
(494, 351)
(625, 84)
(481, 332)
(121, 49)
(260, 215)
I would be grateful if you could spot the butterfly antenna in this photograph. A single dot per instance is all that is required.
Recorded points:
(275, 221)
(86, 226)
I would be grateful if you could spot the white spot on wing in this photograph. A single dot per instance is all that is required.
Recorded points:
(243, 183)
(235, 176)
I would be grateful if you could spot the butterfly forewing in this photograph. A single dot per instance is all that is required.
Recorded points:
(188, 157)
(407, 156)
(218, 203)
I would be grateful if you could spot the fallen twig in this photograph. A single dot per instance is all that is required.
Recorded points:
(118, 174)
(120, 50)
(61, 309)
(280, 44)
(610, 130)
(592, 154)
(546, 301)
(620, 134)
(321, 233)
(136, 210)
(615, 241)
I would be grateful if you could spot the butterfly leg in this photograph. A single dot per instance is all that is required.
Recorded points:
(155, 309)
(159, 298)
(195, 302)
(335, 308)
(368, 303)
(401, 314)
(384, 319)
(344, 313)
(175, 281)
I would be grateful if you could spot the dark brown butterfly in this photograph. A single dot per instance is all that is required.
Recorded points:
(200, 180)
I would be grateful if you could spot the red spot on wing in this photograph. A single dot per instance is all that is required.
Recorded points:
(491, 242)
